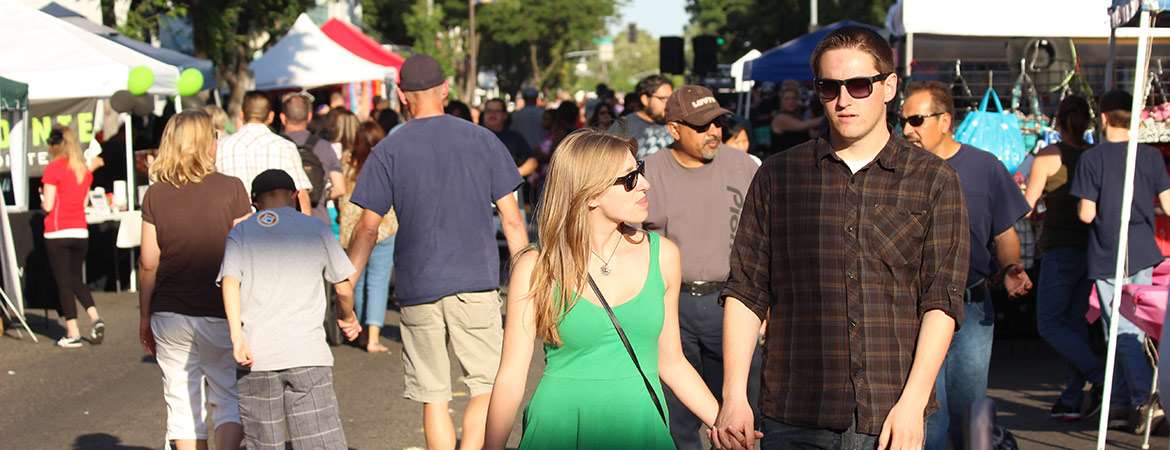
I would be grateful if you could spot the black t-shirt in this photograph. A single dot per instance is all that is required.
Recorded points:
(517, 146)
(1100, 178)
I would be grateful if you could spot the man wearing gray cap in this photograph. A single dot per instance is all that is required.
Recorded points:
(441, 175)
(699, 188)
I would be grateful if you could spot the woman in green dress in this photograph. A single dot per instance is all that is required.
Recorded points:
(591, 395)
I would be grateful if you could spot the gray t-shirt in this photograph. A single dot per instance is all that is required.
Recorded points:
(282, 259)
(651, 136)
(324, 151)
(527, 122)
(699, 208)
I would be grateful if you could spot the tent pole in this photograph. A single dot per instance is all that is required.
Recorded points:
(1126, 211)
(129, 135)
(1110, 62)
(18, 162)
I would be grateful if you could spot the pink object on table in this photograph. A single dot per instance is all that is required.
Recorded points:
(1145, 306)
(1161, 277)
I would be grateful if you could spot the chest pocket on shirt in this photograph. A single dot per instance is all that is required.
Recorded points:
(897, 234)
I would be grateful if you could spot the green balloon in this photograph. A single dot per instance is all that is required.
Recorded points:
(190, 82)
(141, 78)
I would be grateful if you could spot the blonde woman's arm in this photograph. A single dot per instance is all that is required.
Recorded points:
(519, 343)
(674, 369)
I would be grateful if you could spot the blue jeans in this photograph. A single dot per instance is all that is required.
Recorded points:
(782, 436)
(1062, 298)
(1132, 374)
(962, 379)
(372, 292)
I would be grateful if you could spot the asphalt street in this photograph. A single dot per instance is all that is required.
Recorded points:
(109, 397)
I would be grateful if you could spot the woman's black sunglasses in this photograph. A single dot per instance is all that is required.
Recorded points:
(859, 88)
(630, 181)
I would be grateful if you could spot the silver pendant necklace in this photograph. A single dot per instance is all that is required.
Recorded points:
(604, 261)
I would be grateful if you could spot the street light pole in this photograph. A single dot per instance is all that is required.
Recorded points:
(812, 16)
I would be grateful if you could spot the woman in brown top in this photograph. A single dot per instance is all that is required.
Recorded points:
(372, 292)
(186, 216)
(1063, 291)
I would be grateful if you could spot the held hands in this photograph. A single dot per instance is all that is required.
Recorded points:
(349, 325)
(904, 428)
(735, 426)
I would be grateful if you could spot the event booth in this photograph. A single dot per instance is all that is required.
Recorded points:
(307, 58)
(789, 61)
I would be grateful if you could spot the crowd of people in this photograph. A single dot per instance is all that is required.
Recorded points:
(837, 294)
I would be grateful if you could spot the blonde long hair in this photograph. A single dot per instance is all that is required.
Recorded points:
(63, 143)
(187, 151)
(582, 168)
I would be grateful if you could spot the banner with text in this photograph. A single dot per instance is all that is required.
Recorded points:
(43, 116)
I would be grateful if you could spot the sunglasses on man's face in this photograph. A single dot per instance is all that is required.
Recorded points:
(918, 119)
(861, 87)
(630, 180)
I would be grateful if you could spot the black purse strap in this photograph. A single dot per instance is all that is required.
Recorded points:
(630, 349)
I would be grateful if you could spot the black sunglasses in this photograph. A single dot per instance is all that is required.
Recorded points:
(630, 180)
(859, 88)
(917, 119)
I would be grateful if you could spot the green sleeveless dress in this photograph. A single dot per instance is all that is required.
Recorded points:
(591, 395)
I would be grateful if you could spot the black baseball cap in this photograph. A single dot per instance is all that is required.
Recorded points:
(271, 180)
(1116, 100)
(420, 72)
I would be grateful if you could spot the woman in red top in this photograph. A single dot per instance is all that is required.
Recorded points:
(66, 184)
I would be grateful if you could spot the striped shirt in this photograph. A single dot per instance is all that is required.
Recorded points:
(254, 149)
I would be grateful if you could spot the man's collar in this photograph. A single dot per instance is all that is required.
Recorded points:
(887, 158)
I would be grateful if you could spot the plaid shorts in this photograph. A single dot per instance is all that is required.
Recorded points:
(294, 405)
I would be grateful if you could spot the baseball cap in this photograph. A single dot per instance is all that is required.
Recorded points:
(694, 105)
(420, 72)
(271, 180)
(1116, 100)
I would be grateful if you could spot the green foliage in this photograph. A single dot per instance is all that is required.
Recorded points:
(631, 62)
(143, 16)
(227, 31)
(763, 24)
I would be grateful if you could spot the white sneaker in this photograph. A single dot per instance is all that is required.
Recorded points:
(68, 342)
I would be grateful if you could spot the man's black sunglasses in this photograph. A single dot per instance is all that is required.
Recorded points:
(859, 88)
(917, 119)
(630, 181)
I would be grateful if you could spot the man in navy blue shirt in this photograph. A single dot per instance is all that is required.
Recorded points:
(1098, 183)
(994, 204)
(441, 175)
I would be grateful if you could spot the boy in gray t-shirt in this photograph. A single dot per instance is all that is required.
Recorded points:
(274, 300)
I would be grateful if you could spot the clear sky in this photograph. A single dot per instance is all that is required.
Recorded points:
(660, 17)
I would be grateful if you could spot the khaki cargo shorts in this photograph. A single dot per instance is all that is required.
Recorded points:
(473, 324)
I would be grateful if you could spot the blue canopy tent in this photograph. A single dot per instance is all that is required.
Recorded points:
(789, 61)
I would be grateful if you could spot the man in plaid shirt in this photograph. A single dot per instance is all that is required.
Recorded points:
(254, 148)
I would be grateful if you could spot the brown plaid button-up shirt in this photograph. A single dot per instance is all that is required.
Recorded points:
(844, 266)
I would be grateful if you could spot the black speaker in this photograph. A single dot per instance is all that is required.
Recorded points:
(706, 47)
(670, 55)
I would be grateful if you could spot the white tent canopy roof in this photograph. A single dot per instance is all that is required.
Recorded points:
(1007, 18)
(60, 61)
(307, 58)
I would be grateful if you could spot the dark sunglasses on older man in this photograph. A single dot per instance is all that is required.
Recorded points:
(859, 88)
(918, 119)
(630, 181)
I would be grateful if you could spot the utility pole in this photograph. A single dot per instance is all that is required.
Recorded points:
(472, 54)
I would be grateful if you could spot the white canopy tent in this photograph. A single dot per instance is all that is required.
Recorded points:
(61, 61)
(172, 57)
(1004, 18)
(307, 58)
